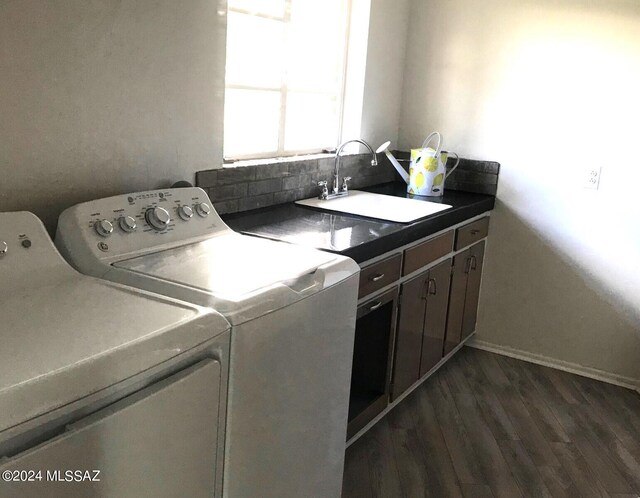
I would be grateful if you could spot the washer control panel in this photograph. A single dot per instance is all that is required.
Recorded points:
(124, 225)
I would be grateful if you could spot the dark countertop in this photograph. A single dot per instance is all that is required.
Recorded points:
(359, 238)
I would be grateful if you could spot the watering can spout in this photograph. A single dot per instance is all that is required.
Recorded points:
(401, 171)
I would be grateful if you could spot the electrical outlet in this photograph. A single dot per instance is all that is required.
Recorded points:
(591, 177)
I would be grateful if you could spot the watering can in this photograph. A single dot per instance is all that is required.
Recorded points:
(427, 171)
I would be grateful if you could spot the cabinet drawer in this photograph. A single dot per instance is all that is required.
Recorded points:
(418, 256)
(377, 275)
(473, 232)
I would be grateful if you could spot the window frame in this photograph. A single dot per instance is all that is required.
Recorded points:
(283, 90)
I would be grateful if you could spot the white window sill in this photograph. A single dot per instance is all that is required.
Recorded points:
(275, 160)
(287, 159)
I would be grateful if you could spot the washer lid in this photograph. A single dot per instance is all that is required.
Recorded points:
(238, 275)
(65, 336)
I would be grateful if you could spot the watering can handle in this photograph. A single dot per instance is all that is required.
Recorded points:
(430, 137)
(454, 166)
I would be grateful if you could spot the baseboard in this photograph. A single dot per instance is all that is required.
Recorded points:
(592, 373)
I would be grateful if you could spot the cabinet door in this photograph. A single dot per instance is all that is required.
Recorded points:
(474, 275)
(457, 296)
(406, 365)
(436, 315)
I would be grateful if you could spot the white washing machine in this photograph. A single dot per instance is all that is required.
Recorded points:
(292, 312)
(104, 390)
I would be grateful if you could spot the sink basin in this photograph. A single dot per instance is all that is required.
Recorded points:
(379, 206)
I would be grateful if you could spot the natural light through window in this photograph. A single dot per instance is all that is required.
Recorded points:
(284, 76)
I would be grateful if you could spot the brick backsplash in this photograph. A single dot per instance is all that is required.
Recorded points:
(480, 177)
(244, 187)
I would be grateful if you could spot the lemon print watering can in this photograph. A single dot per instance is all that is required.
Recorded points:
(427, 171)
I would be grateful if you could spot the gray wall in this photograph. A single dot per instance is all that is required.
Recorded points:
(99, 97)
(548, 89)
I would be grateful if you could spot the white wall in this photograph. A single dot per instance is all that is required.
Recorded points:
(375, 71)
(382, 98)
(99, 97)
(547, 89)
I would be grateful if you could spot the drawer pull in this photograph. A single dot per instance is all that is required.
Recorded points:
(375, 306)
(377, 277)
(475, 231)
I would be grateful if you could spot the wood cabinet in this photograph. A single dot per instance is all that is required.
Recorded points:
(406, 362)
(406, 324)
(371, 371)
(421, 326)
(464, 295)
(472, 232)
(380, 274)
(435, 321)
(422, 254)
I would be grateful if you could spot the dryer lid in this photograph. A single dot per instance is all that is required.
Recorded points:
(65, 336)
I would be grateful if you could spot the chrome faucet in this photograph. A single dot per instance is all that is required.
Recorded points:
(336, 173)
(338, 191)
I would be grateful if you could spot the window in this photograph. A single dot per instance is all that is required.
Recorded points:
(284, 76)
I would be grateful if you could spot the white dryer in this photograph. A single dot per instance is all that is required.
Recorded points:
(101, 381)
(292, 311)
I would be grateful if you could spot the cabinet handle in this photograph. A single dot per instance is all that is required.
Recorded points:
(467, 265)
(375, 306)
(425, 290)
(474, 262)
(377, 277)
(474, 231)
(433, 289)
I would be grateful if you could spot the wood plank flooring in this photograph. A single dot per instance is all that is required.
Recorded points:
(486, 425)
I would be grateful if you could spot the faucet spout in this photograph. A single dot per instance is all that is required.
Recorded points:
(336, 172)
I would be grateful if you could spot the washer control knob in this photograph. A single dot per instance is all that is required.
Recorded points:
(185, 213)
(203, 209)
(104, 228)
(158, 218)
(3, 248)
(128, 224)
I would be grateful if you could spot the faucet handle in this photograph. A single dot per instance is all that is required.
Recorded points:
(345, 187)
(325, 191)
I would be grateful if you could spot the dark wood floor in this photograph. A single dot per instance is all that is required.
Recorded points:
(490, 426)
